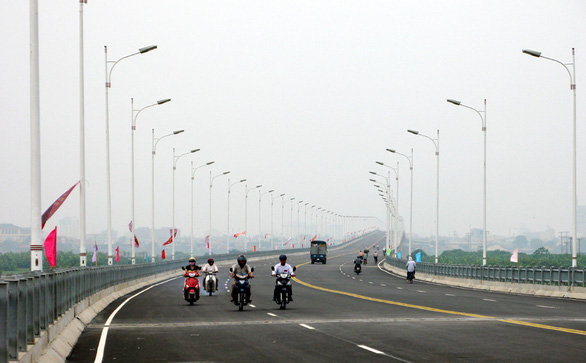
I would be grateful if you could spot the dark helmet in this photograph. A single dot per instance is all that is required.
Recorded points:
(192, 259)
(241, 260)
(283, 258)
(210, 261)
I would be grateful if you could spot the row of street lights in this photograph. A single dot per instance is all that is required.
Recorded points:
(482, 115)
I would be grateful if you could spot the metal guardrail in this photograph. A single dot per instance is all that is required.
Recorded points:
(31, 302)
(552, 276)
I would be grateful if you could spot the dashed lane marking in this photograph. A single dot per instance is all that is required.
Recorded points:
(547, 307)
(450, 295)
(271, 314)
(491, 300)
(252, 306)
(383, 285)
(420, 291)
(307, 326)
(371, 349)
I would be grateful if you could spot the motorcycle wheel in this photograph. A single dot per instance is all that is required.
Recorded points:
(210, 287)
(191, 299)
(283, 300)
(241, 297)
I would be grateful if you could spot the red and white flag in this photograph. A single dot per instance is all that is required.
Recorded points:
(515, 256)
(51, 247)
(53, 208)
(268, 234)
(239, 234)
(287, 241)
(313, 239)
(208, 241)
(170, 240)
(130, 226)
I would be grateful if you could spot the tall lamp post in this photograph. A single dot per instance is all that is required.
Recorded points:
(396, 170)
(155, 141)
(272, 203)
(192, 178)
(291, 220)
(175, 159)
(246, 214)
(282, 220)
(311, 217)
(572, 75)
(298, 206)
(259, 226)
(211, 182)
(436, 144)
(388, 205)
(82, 214)
(305, 220)
(228, 219)
(482, 115)
(410, 159)
(108, 85)
(134, 115)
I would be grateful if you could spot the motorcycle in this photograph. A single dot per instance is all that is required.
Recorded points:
(410, 276)
(242, 287)
(210, 282)
(191, 287)
(357, 268)
(282, 288)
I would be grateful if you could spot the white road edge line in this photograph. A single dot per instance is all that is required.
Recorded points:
(491, 300)
(371, 349)
(547, 307)
(103, 337)
(307, 326)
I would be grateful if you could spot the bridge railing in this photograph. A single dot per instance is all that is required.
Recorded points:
(31, 302)
(553, 276)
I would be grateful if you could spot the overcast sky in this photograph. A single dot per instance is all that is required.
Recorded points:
(302, 97)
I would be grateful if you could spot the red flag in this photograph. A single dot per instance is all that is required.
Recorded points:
(136, 242)
(254, 248)
(208, 241)
(293, 245)
(313, 239)
(163, 255)
(284, 244)
(53, 208)
(51, 247)
(239, 234)
(170, 240)
(117, 254)
(268, 234)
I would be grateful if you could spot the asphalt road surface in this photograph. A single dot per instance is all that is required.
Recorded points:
(335, 316)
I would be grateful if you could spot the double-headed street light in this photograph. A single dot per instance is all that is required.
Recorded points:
(246, 214)
(155, 141)
(298, 206)
(272, 203)
(134, 115)
(173, 229)
(482, 115)
(211, 182)
(572, 75)
(228, 219)
(436, 144)
(192, 178)
(108, 188)
(259, 225)
(410, 159)
(396, 170)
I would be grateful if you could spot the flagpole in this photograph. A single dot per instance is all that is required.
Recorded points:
(82, 247)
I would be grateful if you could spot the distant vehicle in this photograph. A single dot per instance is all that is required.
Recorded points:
(318, 251)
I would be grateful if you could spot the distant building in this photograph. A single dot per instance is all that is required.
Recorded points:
(68, 227)
(15, 233)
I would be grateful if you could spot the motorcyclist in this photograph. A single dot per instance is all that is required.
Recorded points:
(211, 267)
(283, 267)
(410, 268)
(366, 255)
(357, 262)
(375, 256)
(241, 267)
(192, 266)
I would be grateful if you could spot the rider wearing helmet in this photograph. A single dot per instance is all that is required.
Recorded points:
(211, 267)
(241, 267)
(192, 266)
(283, 267)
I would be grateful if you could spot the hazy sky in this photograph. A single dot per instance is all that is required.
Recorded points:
(302, 97)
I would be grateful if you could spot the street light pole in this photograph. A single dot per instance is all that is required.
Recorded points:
(155, 141)
(387, 198)
(192, 178)
(410, 159)
(272, 203)
(298, 206)
(282, 220)
(574, 191)
(291, 221)
(436, 144)
(483, 119)
(228, 222)
(259, 219)
(246, 214)
(109, 192)
(133, 118)
(82, 214)
(175, 159)
(210, 235)
(305, 220)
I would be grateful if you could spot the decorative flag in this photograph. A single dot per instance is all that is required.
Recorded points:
(255, 248)
(147, 258)
(136, 242)
(293, 245)
(313, 239)
(329, 239)
(130, 226)
(268, 234)
(389, 252)
(515, 256)
(239, 234)
(117, 253)
(171, 231)
(418, 257)
(208, 241)
(95, 256)
(287, 241)
(53, 208)
(170, 240)
(51, 247)
(163, 254)
(399, 255)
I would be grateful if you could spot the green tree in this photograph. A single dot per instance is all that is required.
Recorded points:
(536, 243)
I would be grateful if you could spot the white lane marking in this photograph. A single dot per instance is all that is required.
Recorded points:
(371, 349)
(489, 300)
(369, 282)
(400, 288)
(383, 285)
(360, 279)
(104, 336)
(547, 307)
(450, 295)
(307, 326)
(420, 291)
(252, 306)
(353, 278)
(271, 314)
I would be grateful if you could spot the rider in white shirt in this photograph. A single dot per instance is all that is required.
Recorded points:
(283, 267)
(211, 267)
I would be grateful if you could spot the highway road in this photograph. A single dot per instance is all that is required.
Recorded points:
(335, 315)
